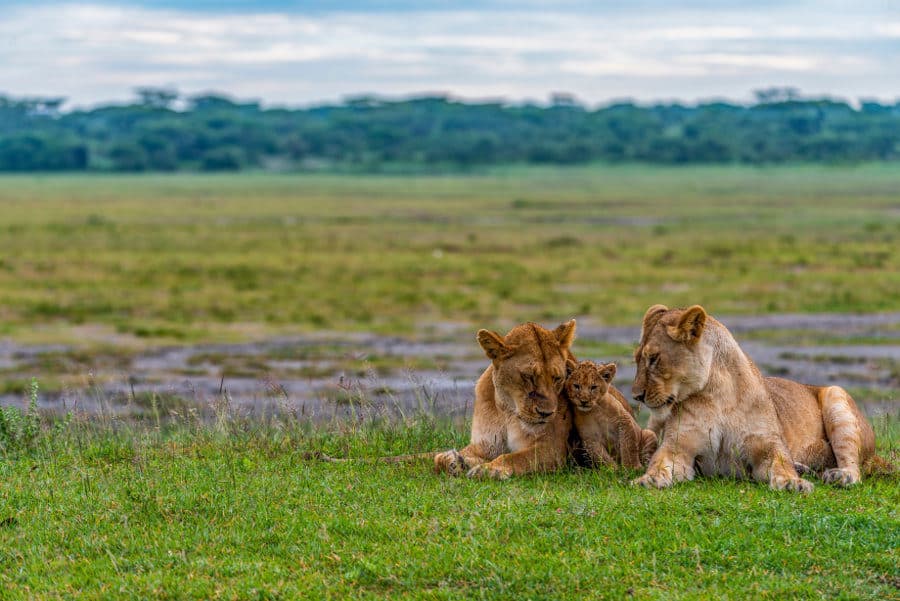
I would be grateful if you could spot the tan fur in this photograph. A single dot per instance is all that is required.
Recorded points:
(521, 423)
(606, 428)
(713, 409)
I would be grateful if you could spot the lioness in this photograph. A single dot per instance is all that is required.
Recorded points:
(520, 423)
(606, 428)
(714, 410)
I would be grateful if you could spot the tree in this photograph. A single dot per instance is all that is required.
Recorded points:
(157, 98)
(774, 95)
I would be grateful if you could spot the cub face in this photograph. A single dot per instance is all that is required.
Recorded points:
(529, 369)
(588, 382)
(671, 362)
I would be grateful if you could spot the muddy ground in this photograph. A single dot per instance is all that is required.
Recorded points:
(344, 375)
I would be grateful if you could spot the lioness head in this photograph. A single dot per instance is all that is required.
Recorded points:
(529, 368)
(588, 382)
(671, 361)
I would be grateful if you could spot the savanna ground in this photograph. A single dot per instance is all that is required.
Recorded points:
(98, 274)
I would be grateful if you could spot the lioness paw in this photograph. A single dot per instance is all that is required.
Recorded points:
(802, 468)
(653, 481)
(450, 462)
(488, 471)
(791, 484)
(841, 476)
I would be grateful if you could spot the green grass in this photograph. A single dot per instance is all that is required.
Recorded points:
(198, 258)
(235, 511)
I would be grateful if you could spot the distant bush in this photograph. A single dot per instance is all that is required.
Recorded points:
(40, 152)
(223, 159)
(128, 156)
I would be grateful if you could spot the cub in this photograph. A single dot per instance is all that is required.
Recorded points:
(606, 428)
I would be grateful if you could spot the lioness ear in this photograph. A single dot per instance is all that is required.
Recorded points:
(608, 372)
(565, 333)
(571, 365)
(689, 327)
(650, 318)
(493, 344)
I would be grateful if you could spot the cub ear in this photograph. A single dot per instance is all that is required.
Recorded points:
(689, 327)
(571, 365)
(565, 333)
(650, 318)
(608, 372)
(493, 345)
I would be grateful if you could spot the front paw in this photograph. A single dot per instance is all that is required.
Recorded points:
(490, 471)
(790, 484)
(841, 476)
(653, 480)
(802, 468)
(450, 462)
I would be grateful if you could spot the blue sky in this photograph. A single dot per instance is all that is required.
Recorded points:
(305, 52)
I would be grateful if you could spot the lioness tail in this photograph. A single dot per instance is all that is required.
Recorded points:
(878, 466)
(320, 456)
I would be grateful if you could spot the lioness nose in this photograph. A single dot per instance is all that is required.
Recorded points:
(639, 397)
(543, 412)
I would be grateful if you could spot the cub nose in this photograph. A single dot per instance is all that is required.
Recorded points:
(543, 412)
(639, 397)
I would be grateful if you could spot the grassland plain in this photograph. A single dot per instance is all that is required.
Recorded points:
(236, 511)
(199, 258)
(103, 508)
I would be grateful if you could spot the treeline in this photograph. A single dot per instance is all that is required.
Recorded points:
(162, 132)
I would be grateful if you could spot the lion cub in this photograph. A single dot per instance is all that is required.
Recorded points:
(604, 421)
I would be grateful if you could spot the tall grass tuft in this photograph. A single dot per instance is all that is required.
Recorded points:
(21, 430)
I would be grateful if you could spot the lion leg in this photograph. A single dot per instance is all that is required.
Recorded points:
(649, 444)
(667, 466)
(457, 463)
(656, 423)
(598, 454)
(539, 458)
(629, 444)
(673, 460)
(772, 463)
(813, 458)
(844, 433)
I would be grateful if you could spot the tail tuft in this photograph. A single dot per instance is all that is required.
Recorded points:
(878, 466)
(320, 456)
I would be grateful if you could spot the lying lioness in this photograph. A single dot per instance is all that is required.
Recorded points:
(606, 428)
(520, 424)
(714, 410)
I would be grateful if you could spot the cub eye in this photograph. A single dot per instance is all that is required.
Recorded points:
(576, 386)
(652, 359)
(594, 387)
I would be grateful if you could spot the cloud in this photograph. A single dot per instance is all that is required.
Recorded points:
(98, 52)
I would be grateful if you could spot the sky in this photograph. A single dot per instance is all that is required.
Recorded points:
(300, 53)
